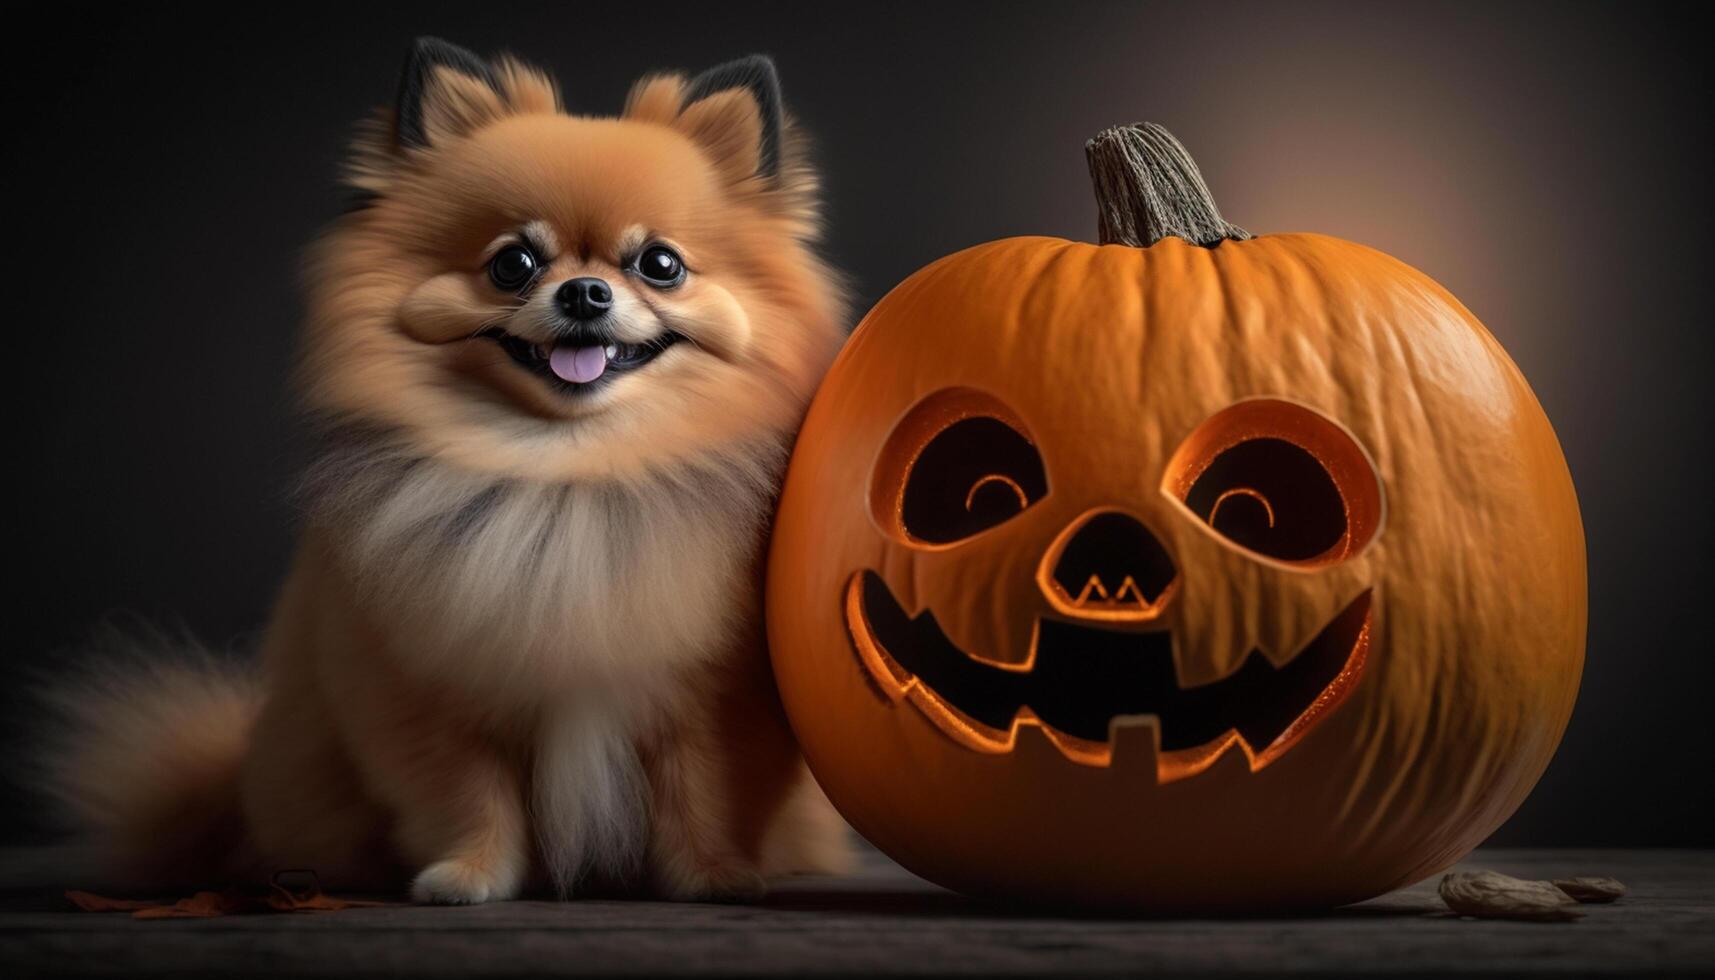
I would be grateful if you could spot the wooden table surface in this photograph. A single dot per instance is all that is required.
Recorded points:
(883, 920)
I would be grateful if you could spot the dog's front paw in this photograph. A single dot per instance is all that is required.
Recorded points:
(737, 883)
(461, 882)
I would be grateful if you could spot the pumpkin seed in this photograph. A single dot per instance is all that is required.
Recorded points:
(1596, 891)
(1491, 895)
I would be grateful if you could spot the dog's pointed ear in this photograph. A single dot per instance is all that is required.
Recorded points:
(733, 111)
(444, 92)
(714, 99)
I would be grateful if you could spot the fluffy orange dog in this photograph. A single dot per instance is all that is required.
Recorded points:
(558, 362)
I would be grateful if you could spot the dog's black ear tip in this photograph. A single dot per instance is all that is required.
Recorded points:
(753, 71)
(761, 62)
(762, 66)
(756, 74)
(428, 53)
(428, 50)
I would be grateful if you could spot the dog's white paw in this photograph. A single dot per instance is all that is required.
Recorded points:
(458, 882)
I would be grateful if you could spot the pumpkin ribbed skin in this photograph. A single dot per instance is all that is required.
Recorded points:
(1111, 356)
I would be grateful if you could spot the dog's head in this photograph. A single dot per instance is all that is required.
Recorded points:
(525, 292)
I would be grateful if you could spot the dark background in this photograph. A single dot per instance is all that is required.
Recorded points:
(1549, 164)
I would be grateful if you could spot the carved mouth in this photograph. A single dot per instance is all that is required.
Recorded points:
(1084, 682)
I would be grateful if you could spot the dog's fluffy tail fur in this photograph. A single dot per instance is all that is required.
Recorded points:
(143, 761)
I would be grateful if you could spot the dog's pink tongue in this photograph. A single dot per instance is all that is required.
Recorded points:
(579, 365)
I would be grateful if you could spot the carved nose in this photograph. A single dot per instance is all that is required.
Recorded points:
(1112, 564)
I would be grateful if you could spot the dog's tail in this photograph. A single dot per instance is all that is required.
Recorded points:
(142, 761)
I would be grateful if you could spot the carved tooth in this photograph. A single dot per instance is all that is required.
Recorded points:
(1136, 742)
(1030, 736)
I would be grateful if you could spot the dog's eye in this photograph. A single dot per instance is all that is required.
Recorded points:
(660, 266)
(512, 268)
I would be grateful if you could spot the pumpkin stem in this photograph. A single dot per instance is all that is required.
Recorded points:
(1148, 188)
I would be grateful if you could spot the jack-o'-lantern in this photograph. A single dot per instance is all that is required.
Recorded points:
(1191, 571)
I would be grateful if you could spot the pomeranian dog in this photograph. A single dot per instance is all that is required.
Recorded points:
(555, 364)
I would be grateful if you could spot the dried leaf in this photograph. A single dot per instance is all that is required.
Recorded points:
(281, 899)
(1593, 891)
(202, 905)
(91, 902)
(232, 901)
(1490, 895)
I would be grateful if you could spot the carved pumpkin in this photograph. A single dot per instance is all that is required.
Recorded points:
(1188, 571)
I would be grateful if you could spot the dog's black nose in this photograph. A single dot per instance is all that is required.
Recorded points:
(584, 298)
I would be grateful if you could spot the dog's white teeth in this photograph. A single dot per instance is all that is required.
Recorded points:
(611, 350)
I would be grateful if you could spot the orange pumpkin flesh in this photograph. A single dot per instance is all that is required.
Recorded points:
(1053, 679)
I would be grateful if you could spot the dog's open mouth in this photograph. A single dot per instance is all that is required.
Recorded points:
(576, 366)
(1085, 682)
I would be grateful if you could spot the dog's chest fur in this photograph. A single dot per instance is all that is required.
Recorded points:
(499, 583)
(582, 604)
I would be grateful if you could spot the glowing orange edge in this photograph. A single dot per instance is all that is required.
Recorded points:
(897, 683)
(1142, 611)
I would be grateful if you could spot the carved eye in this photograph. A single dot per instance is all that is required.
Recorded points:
(957, 465)
(1272, 497)
(1278, 479)
(973, 475)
